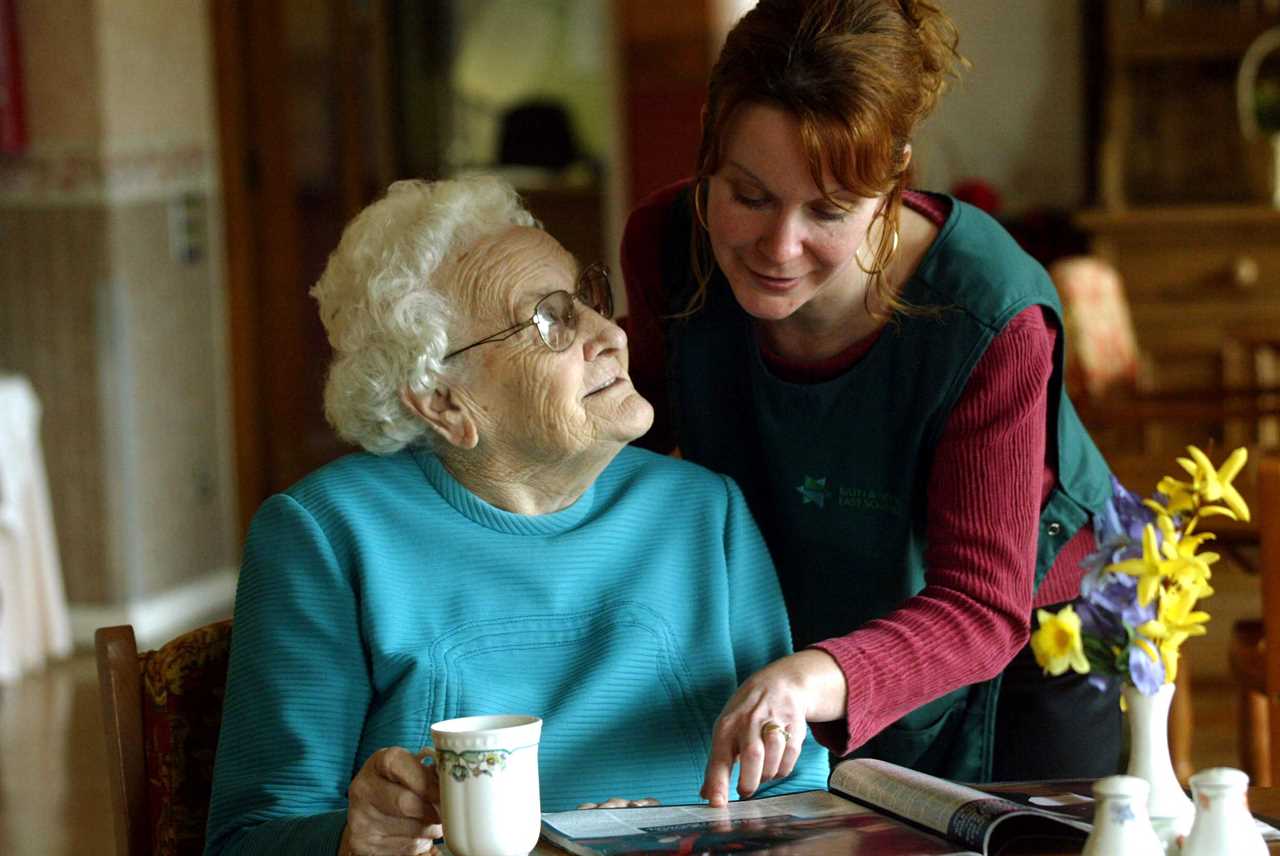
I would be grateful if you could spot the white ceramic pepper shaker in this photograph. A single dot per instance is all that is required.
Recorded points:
(1121, 825)
(1223, 822)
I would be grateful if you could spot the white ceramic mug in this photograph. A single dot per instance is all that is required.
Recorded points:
(488, 768)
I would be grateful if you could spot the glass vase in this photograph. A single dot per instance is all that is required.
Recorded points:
(1171, 810)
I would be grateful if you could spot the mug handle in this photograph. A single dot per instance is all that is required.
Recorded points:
(423, 754)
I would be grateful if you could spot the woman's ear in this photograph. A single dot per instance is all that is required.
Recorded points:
(445, 414)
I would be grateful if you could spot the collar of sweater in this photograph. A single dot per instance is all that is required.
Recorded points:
(478, 511)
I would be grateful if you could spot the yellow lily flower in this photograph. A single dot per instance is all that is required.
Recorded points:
(1179, 549)
(1215, 486)
(1177, 620)
(1151, 569)
(1177, 605)
(1057, 644)
(1182, 495)
(1191, 578)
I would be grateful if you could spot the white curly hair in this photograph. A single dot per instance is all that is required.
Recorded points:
(383, 305)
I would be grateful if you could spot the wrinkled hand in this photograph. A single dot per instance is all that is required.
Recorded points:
(619, 802)
(803, 687)
(391, 809)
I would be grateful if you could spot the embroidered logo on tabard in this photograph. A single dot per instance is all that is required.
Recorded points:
(813, 490)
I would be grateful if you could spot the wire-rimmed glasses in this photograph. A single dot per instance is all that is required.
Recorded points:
(555, 316)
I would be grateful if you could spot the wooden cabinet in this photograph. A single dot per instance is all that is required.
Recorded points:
(1171, 133)
(1183, 212)
(1192, 275)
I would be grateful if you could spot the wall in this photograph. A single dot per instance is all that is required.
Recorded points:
(1017, 117)
(117, 321)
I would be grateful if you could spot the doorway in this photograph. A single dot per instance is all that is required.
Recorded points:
(322, 103)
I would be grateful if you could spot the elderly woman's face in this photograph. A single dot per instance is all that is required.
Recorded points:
(537, 401)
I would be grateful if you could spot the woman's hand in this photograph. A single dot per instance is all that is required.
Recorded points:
(391, 808)
(764, 724)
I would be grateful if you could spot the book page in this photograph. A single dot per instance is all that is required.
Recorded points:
(974, 818)
(918, 797)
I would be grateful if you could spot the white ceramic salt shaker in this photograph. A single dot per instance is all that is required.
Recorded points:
(1121, 825)
(1223, 822)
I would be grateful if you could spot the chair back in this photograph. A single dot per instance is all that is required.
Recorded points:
(161, 711)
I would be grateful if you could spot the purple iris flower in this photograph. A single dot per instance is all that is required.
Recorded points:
(1118, 534)
(1145, 673)
(1119, 527)
(1097, 619)
(1108, 603)
(1117, 594)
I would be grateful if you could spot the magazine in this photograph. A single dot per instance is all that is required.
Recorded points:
(872, 806)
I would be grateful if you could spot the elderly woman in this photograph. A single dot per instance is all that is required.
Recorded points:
(496, 548)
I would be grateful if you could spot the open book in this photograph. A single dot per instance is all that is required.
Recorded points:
(872, 807)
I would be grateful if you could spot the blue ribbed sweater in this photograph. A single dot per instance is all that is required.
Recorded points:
(378, 595)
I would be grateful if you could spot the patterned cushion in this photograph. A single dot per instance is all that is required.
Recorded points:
(182, 689)
(1102, 351)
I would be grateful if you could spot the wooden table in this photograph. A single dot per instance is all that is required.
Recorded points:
(1266, 801)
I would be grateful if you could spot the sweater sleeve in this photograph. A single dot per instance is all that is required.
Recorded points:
(297, 693)
(642, 262)
(984, 499)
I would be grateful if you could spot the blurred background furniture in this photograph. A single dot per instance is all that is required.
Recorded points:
(1191, 276)
(1183, 211)
(1251, 370)
(161, 713)
(1255, 664)
(34, 624)
(1166, 100)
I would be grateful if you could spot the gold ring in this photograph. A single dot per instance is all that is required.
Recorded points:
(770, 726)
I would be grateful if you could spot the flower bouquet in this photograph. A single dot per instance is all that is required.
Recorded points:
(1137, 603)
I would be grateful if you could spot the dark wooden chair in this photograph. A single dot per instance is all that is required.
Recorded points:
(1255, 664)
(161, 711)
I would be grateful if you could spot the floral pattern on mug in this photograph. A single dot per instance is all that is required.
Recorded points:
(474, 762)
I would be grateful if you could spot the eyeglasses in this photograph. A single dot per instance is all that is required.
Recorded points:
(555, 315)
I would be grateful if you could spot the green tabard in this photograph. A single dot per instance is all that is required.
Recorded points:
(836, 473)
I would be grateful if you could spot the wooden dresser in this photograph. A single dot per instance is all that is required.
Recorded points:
(1183, 209)
(1193, 275)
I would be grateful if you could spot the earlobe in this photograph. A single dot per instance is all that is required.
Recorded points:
(906, 156)
(444, 414)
